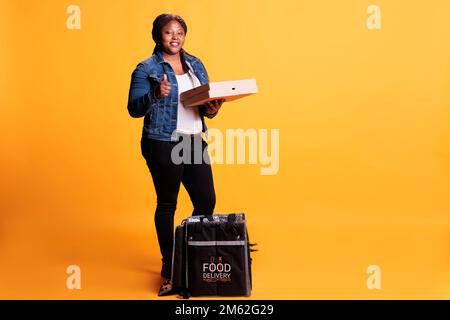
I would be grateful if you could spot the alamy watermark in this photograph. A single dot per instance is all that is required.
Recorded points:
(236, 146)
(373, 281)
(73, 281)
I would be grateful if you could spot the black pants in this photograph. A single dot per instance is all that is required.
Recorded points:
(167, 175)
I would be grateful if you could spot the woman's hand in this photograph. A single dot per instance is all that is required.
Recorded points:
(164, 88)
(213, 106)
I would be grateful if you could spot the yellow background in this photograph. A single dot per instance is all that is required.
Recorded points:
(364, 145)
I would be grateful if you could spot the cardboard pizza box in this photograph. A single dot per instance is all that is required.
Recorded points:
(228, 90)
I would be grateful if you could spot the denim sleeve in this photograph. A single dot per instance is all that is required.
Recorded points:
(141, 98)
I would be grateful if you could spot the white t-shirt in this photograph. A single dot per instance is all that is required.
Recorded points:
(188, 119)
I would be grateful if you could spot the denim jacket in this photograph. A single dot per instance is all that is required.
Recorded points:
(160, 116)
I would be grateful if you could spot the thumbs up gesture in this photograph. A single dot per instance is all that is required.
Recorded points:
(164, 88)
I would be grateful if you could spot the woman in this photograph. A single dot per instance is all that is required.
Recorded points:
(155, 88)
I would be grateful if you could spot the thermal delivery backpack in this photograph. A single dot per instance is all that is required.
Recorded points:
(211, 256)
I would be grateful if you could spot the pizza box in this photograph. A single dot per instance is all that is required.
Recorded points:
(227, 90)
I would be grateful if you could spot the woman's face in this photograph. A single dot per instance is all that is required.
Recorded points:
(172, 37)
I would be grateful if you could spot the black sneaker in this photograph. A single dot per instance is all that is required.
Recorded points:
(166, 288)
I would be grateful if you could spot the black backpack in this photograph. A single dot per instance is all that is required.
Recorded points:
(211, 256)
